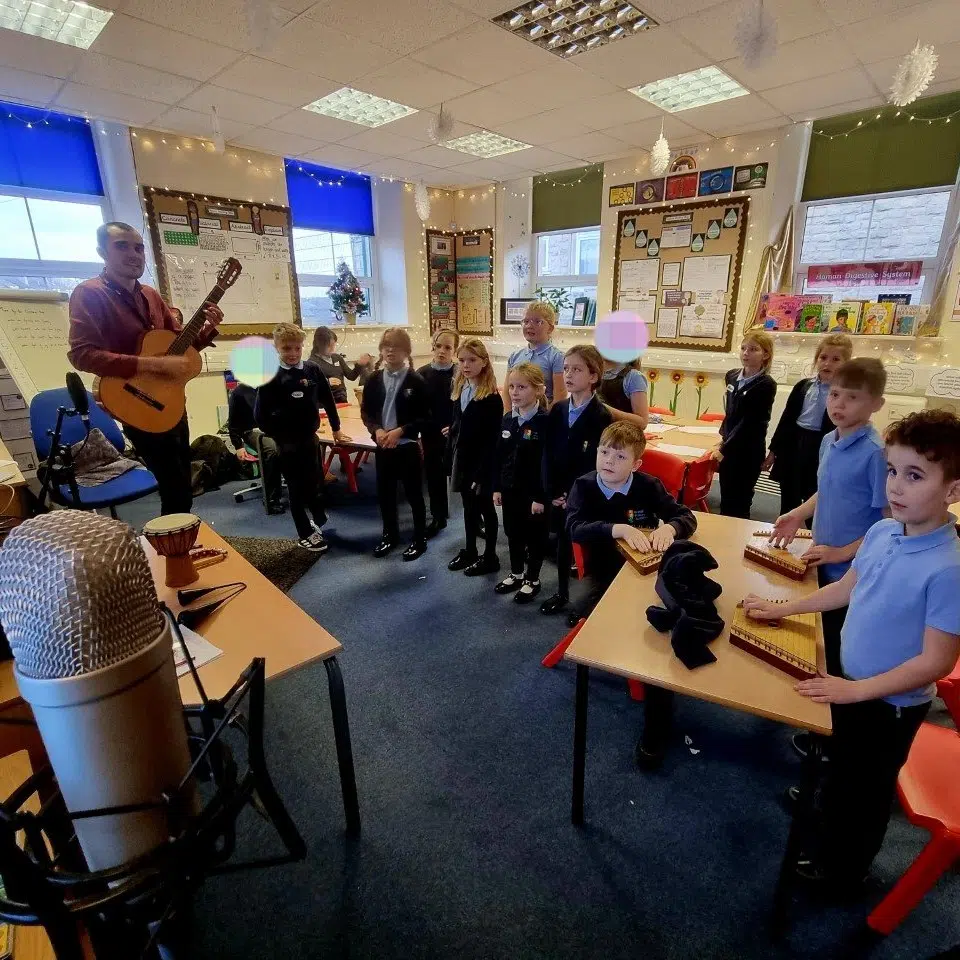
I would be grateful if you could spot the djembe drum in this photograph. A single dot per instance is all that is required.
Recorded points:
(172, 537)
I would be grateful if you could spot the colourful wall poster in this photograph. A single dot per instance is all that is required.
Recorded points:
(681, 186)
(904, 273)
(716, 181)
(622, 194)
(753, 177)
(650, 191)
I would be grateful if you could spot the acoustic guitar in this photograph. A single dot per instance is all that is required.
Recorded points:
(157, 404)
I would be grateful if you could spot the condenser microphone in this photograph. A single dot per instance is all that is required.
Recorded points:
(79, 398)
(93, 657)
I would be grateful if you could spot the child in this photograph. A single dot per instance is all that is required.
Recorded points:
(333, 365)
(519, 484)
(902, 633)
(288, 411)
(617, 502)
(395, 407)
(743, 433)
(573, 434)
(438, 376)
(538, 325)
(477, 412)
(623, 390)
(795, 447)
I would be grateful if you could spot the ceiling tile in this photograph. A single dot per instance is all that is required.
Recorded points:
(809, 96)
(108, 105)
(603, 112)
(652, 55)
(417, 126)
(718, 117)
(542, 159)
(484, 54)
(381, 140)
(140, 42)
(399, 25)
(800, 60)
(315, 125)
(273, 81)
(276, 143)
(195, 124)
(948, 69)
(894, 34)
(851, 11)
(590, 145)
(553, 86)
(316, 48)
(435, 156)
(487, 9)
(413, 84)
(645, 132)
(761, 126)
(542, 127)
(485, 108)
(495, 169)
(343, 158)
(402, 169)
(23, 52)
(839, 109)
(136, 80)
(233, 106)
(30, 88)
(663, 11)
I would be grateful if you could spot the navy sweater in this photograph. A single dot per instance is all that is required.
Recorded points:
(288, 407)
(520, 453)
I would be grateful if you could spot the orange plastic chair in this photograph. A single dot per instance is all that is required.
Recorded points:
(663, 411)
(699, 480)
(948, 689)
(712, 417)
(929, 791)
(668, 469)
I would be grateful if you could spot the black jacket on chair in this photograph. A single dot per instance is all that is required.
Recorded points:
(572, 451)
(785, 436)
(413, 404)
(473, 444)
(744, 428)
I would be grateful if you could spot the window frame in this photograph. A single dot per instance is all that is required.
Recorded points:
(565, 280)
(931, 266)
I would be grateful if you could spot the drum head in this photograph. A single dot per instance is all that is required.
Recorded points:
(172, 523)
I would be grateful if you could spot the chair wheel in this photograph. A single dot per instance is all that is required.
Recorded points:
(238, 498)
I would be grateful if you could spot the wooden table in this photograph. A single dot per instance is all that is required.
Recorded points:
(681, 438)
(618, 639)
(360, 445)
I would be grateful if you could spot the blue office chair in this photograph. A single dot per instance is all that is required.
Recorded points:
(131, 485)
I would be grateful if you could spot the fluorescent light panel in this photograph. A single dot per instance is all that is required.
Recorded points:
(570, 27)
(485, 144)
(358, 107)
(688, 90)
(65, 21)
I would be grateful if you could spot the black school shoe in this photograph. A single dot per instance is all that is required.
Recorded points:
(384, 547)
(528, 592)
(461, 561)
(510, 585)
(555, 604)
(482, 566)
(434, 527)
(416, 549)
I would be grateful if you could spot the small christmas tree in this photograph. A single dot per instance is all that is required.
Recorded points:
(346, 295)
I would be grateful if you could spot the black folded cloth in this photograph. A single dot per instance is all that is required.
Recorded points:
(688, 612)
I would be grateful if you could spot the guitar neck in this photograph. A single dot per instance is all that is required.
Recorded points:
(188, 335)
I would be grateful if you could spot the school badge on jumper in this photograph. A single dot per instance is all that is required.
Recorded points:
(527, 434)
(408, 392)
(586, 443)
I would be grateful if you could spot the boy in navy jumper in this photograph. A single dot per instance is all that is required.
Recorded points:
(617, 502)
(901, 635)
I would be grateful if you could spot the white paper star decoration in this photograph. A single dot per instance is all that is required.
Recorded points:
(660, 155)
(755, 35)
(421, 200)
(441, 126)
(914, 74)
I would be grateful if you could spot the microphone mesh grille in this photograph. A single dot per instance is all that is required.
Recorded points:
(76, 594)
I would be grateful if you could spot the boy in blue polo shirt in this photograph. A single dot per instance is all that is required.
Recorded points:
(901, 635)
(538, 325)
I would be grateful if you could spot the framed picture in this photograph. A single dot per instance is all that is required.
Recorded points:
(624, 193)
(580, 311)
(512, 309)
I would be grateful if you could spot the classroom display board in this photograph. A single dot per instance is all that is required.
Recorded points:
(193, 235)
(679, 268)
(460, 272)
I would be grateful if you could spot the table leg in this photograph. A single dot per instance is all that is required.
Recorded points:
(580, 743)
(800, 830)
(341, 733)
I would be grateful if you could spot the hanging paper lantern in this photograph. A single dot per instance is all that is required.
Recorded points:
(914, 74)
(421, 200)
(755, 34)
(660, 155)
(441, 126)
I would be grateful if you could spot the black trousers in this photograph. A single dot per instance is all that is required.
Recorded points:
(797, 469)
(269, 463)
(434, 464)
(167, 456)
(869, 745)
(738, 478)
(564, 550)
(477, 507)
(300, 467)
(526, 534)
(401, 464)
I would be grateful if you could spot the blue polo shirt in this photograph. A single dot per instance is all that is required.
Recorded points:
(851, 491)
(814, 405)
(546, 356)
(904, 584)
(573, 413)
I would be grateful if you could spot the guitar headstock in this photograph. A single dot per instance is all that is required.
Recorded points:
(229, 271)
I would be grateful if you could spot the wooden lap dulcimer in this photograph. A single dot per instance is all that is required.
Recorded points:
(152, 403)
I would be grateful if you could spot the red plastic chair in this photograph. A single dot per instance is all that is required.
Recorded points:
(699, 480)
(663, 411)
(929, 791)
(712, 417)
(948, 689)
(349, 460)
(668, 469)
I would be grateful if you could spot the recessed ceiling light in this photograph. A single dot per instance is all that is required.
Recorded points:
(66, 21)
(359, 107)
(597, 22)
(485, 144)
(688, 90)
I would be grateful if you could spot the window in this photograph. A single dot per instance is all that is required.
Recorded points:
(567, 266)
(318, 254)
(884, 228)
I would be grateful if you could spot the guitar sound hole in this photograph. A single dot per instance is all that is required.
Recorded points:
(145, 397)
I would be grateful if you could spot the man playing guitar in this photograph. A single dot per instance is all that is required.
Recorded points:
(108, 316)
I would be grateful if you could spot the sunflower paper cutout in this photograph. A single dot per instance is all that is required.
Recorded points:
(676, 379)
(652, 377)
(701, 380)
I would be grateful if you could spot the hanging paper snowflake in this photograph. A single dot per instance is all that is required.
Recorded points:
(262, 23)
(914, 74)
(755, 34)
(421, 200)
(441, 126)
(660, 155)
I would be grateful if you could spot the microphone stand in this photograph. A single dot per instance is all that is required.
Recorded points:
(59, 468)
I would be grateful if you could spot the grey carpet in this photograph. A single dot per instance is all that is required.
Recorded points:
(282, 561)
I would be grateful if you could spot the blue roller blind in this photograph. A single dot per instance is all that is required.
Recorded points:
(47, 151)
(322, 198)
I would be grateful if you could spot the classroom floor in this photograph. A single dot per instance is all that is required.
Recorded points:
(463, 752)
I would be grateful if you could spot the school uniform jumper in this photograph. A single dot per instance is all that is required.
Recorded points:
(439, 381)
(473, 446)
(592, 510)
(572, 441)
(519, 473)
(288, 411)
(748, 403)
(796, 442)
(337, 367)
(392, 400)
